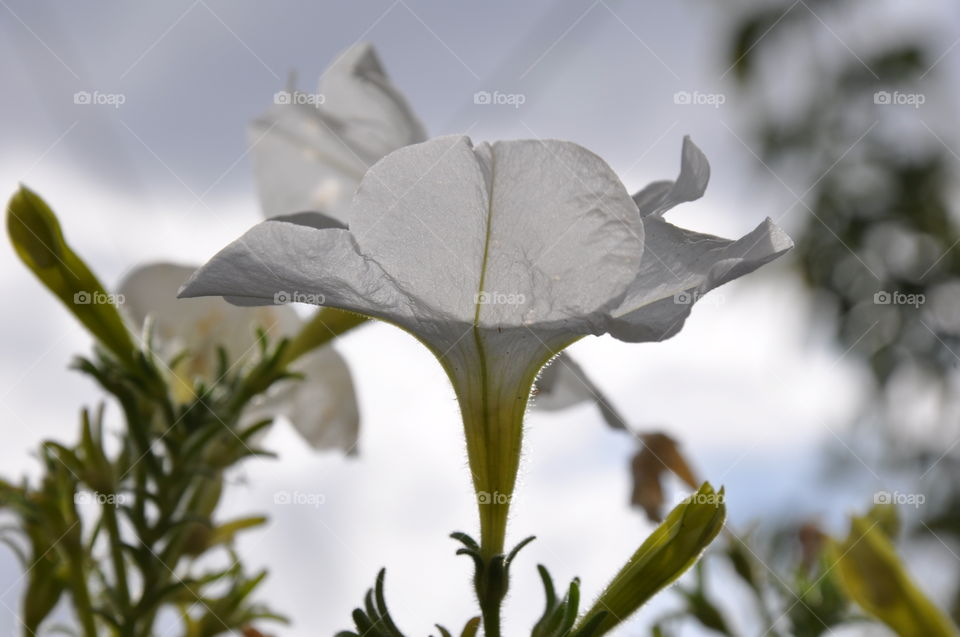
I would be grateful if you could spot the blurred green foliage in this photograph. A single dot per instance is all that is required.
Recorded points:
(877, 216)
(854, 119)
(118, 524)
(879, 246)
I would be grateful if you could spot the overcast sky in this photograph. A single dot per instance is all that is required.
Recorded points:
(749, 388)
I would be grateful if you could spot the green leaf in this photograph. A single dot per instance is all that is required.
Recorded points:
(669, 551)
(559, 616)
(873, 576)
(44, 588)
(471, 627)
(225, 533)
(38, 241)
(374, 619)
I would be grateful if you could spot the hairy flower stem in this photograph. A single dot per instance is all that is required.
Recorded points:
(491, 620)
(493, 392)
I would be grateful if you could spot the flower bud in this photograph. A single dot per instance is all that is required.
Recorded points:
(669, 551)
(38, 241)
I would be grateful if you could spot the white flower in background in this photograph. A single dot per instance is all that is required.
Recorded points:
(309, 155)
(322, 406)
(440, 231)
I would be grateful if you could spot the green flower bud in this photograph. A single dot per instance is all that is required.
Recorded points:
(38, 241)
(669, 551)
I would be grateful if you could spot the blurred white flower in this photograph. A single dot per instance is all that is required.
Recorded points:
(322, 406)
(310, 154)
(496, 257)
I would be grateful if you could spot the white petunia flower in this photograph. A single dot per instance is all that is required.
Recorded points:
(496, 257)
(322, 406)
(310, 153)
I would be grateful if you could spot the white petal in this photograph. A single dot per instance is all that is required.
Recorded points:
(652, 194)
(563, 384)
(679, 266)
(660, 196)
(323, 406)
(300, 163)
(515, 234)
(376, 118)
(309, 157)
(280, 261)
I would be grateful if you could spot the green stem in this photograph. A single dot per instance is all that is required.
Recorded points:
(327, 323)
(116, 552)
(202, 501)
(81, 595)
(491, 620)
(203, 494)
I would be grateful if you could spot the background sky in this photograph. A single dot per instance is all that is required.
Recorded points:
(750, 386)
